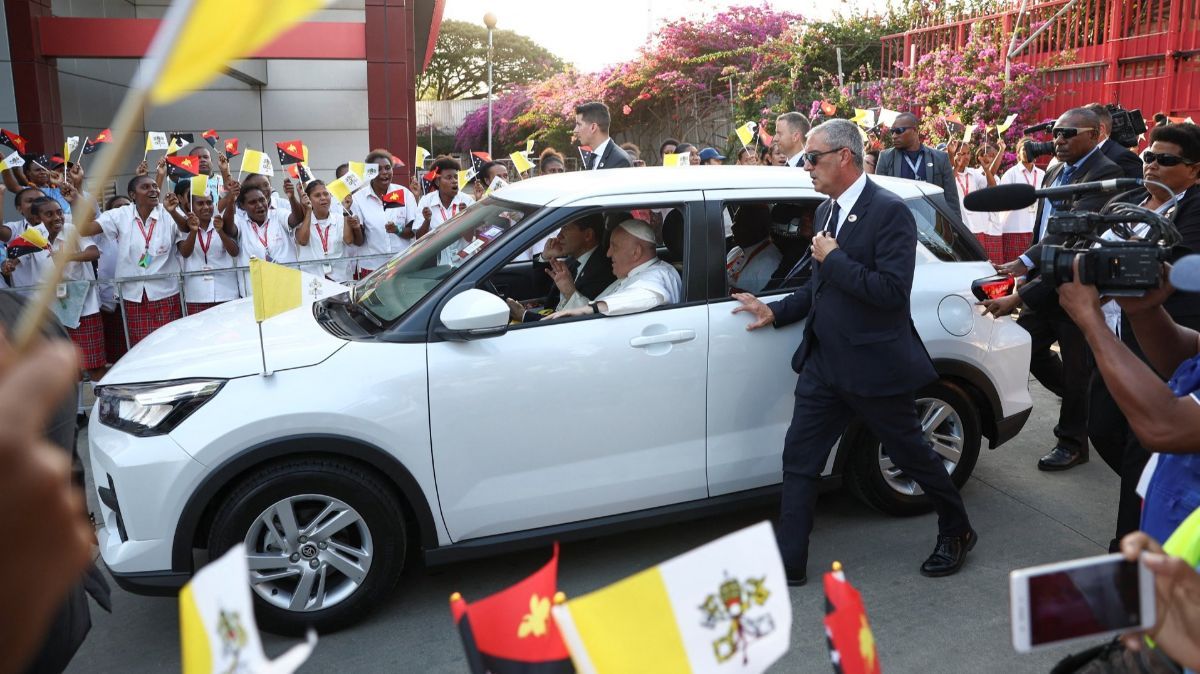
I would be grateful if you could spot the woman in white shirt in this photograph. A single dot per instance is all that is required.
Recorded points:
(209, 247)
(972, 179)
(324, 233)
(443, 203)
(262, 232)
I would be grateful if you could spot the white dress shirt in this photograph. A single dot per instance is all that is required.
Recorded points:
(1021, 220)
(439, 215)
(133, 238)
(979, 222)
(369, 210)
(27, 273)
(846, 203)
(795, 159)
(648, 285)
(272, 241)
(74, 271)
(599, 152)
(207, 285)
(326, 249)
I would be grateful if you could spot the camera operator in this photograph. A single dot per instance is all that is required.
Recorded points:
(1076, 146)
(1173, 159)
(1130, 163)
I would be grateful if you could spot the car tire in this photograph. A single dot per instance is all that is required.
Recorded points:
(872, 478)
(342, 571)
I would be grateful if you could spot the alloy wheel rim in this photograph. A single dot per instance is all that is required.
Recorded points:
(943, 429)
(308, 552)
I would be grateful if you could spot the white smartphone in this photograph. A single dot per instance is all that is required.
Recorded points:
(1091, 598)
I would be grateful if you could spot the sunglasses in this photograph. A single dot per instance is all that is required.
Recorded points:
(811, 157)
(1164, 159)
(897, 130)
(1068, 132)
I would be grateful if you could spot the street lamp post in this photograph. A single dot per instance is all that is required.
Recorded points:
(489, 20)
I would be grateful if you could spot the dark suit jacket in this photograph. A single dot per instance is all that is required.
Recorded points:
(1041, 296)
(940, 174)
(1131, 164)
(597, 275)
(857, 301)
(614, 157)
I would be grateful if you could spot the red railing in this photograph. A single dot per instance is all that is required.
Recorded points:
(1139, 53)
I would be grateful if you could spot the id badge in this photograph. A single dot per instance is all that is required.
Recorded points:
(60, 291)
(144, 262)
(269, 258)
(206, 277)
(327, 269)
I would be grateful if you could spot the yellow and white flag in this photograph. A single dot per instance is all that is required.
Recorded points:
(723, 607)
(1008, 122)
(276, 288)
(199, 186)
(520, 162)
(216, 623)
(677, 160)
(12, 161)
(888, 117)
(422, 153)
(745, 133)
(528, 145)
(363, 170)
(69, 147)
(343, 187)
(465, 177)
(254, 161)
(864, 118)
(497, 183)
(156, 140)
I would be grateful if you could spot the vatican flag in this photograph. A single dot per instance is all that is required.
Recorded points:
(520, 162)
(254, 161)
(723, 607)
(745, 133)
(677, 160)
(216, 623)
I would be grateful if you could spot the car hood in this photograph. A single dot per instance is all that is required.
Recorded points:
(223, 342)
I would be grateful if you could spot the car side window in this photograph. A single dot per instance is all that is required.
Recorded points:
(769, 250)
(940, 235)
(578, 257)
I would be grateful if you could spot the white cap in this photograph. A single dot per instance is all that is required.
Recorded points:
(638, 229)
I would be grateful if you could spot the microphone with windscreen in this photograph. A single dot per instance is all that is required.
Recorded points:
(1019, 195)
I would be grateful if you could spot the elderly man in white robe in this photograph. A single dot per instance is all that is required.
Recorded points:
(643, 281)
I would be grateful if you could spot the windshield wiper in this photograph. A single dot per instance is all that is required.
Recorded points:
(364, 312)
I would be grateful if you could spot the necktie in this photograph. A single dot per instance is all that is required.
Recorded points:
(591, 160)
(1063, 178)
(831, 225)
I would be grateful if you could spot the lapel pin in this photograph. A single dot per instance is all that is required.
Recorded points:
(852, 218)
(929, 164)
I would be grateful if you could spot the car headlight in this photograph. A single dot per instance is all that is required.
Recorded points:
(154, 408)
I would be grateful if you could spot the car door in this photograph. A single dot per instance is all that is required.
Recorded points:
(563, 421)
(750, 379)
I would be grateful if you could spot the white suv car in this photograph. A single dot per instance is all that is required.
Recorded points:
(408, 414)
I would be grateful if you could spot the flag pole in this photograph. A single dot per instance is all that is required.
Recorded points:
(128, 116)
(262, 349)
(80, 159)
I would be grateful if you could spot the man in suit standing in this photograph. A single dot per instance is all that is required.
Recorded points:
(592, 122)
(861, 355)
(910, 158)
(791, 132)
(1130, 163)
(1076, 146)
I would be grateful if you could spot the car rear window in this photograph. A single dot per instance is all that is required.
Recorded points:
(949, 241)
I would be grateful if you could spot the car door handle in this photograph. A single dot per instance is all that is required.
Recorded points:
(673, 336)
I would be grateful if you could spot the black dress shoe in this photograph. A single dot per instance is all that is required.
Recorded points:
(949, 554)
(1061, 458)
(795, 578)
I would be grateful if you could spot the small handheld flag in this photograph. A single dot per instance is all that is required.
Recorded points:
(677, 160)
(231, 147)
(94, 144)
(745, 133)
(30, 241)
(12, 140)
(864, 118)
(156, 140)
(520, 162)
(888, 117)
(199, 186)
(528, 146)
(211, 137)
(300, 172)
(182, 168)
(71, 144)
(345, 186)
(393, 199)
(12, 161)
(764, 138)
(497, 183)
(422, 153)
(847, 632)
(1008, 122)
(254, 161)
(290, 152)
(182, 140)
(426, 180)
(465, 177)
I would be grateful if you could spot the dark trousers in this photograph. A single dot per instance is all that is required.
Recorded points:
(1115, 443)
(1067, 376)
(820, 417)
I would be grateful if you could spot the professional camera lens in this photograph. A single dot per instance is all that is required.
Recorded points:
(1038, 149)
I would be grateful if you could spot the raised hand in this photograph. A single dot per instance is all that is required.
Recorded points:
(171, 202)
(193, 222)
(560, 273)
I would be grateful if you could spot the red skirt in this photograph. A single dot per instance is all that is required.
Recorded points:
(993, 246)
(197, 307)
(89, 341)
(1016, 243)
(147, 316)
(114, 334)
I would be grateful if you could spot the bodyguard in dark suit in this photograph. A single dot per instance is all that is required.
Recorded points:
(1076, 136)
(592, 122)
(909, 158)
(1130, 163)
(861, 355)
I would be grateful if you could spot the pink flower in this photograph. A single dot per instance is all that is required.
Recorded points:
(627, 110)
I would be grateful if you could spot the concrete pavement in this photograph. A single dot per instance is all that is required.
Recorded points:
(955, 624)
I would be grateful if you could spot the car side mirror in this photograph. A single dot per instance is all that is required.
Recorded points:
(473, 314)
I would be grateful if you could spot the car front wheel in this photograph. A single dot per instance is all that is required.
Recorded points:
(325, 541)
(950, 424)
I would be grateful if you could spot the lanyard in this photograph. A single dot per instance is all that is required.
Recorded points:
(205, 244)
(1030, 178)
(146, 234)
(964, 183)
(915, 165)
(323, 236)
(262, 238)
(453, 210)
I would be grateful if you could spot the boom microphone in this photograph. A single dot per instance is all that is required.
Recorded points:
(1019, 195)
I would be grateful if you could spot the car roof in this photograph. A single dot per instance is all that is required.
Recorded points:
(565, 188)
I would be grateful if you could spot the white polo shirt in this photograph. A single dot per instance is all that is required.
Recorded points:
(369, 210)
(207, 284)
(74, 271)
(326, 247)
(1021, 220)
(155, 238)
(272, 241)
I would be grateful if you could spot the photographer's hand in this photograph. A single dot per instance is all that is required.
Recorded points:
(1015, 268)
(1177, 602)
(1152, 299)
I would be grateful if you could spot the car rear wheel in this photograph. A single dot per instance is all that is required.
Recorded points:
(325, 541)
(950, 423)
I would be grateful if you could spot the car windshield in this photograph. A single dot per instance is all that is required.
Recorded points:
(399, 284)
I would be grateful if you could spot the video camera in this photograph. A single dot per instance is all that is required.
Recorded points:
(1127, 125)
(1118, 268)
